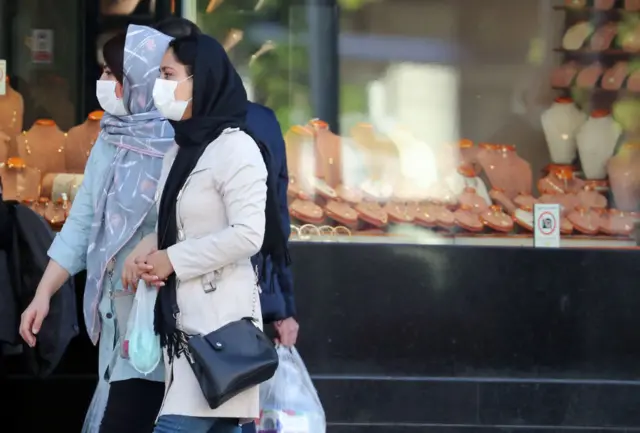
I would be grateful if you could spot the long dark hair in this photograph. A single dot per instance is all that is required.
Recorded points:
(113, 53)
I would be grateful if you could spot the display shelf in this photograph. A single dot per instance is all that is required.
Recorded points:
(598, 90)
(478, 240)
(585, 52)
(613, 12)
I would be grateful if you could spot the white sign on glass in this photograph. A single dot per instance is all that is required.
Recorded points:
(546, 231)
(42, 46)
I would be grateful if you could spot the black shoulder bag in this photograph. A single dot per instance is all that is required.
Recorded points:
(231, 359)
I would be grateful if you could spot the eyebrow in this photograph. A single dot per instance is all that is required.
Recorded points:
(165, 68)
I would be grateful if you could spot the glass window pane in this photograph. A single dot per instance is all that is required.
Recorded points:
(41, 43)
(459, 122)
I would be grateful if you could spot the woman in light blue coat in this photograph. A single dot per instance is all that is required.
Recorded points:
(110, 219)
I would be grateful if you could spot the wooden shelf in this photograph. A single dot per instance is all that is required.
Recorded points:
(588, 54)
(591, 10)
(598, 90)
(525, 241)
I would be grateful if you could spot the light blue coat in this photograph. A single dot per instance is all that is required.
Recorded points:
(69, 250)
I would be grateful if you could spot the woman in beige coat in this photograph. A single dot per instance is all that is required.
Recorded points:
(215, 205)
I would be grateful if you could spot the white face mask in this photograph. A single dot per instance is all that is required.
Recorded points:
(106, 94)
(164, 97)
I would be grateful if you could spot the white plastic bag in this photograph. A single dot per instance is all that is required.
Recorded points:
(141, 342)
(289, 402)
(93, 418)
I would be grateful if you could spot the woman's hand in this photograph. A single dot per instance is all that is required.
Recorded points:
(156, 268)
(131, 271)
(32, 318)
(287, 332)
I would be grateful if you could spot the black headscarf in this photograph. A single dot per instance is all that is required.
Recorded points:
(219, 102)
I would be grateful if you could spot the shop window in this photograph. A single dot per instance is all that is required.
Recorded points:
(42, 152)
(457, 119)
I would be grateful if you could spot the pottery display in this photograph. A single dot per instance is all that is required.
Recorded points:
(525, 201)
(372, 213)
(467, 219)
(400, 212)
(560, 124)
(495, 218)
(499, 197)
(567, 202)
(624, 177)
(586, 221)
(524, 218)
(472, 201)
(617, 223)
(560, 179)
(597, 139)
(589, 198)
(505, 169)
(434, 215)
(466, 177)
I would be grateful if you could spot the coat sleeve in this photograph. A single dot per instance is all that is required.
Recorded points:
(69, 248)
(285, 277)
(240, 176)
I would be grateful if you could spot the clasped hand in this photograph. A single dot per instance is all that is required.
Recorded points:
(154, 268)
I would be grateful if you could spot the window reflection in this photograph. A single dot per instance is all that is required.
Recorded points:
(456, 118)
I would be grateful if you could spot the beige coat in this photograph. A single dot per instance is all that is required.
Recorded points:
(221, 221)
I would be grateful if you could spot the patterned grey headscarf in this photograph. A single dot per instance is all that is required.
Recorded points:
(129, 188)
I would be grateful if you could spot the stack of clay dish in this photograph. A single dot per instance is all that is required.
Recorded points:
(401, 212)
(560, 179)
(614, 222)
(590, 198)
(471, 200)
(432, 215)
(467, 219)
(495, 218)
(524, 218)
(499, 197)
(584, 220)
(525, 200)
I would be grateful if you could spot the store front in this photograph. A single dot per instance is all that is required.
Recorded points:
(422, 137)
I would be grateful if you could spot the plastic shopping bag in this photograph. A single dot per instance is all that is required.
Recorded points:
(141, 342)
(289, 402)
(93, 418)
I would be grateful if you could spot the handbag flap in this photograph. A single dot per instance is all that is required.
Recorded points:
(231, 359)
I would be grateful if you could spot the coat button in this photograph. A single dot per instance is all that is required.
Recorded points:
(109, 315)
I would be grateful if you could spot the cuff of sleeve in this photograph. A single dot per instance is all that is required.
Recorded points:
(174, 252)
(59, 253)
(290, 307)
